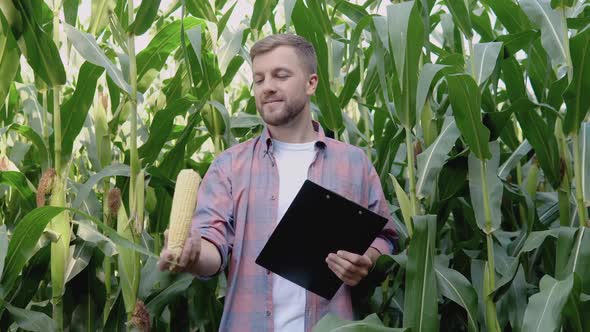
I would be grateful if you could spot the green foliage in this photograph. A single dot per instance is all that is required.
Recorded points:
(478, 132)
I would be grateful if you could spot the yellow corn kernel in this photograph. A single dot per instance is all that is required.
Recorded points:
(183, 207)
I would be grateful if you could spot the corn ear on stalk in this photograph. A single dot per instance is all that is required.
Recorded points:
(128, 263)
(183, 206)
(60, 249)
(140, 202)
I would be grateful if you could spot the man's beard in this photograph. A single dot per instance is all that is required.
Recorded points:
(282, 115)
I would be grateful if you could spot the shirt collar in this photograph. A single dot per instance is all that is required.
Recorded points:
(320, 141)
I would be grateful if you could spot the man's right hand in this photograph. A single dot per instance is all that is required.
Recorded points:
(189, 257)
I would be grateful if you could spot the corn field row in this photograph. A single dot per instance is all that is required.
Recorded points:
(473, 113)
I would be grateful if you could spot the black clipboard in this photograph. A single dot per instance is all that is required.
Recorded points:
(318, 222)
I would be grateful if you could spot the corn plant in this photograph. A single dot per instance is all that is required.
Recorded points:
(474, 114)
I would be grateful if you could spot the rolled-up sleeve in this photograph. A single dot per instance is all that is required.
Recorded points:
(213, 216)
(386, 241)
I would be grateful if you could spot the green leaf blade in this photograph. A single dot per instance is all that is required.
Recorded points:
(494, 187)
(551, 24)
(576, 96)
(421, 300)
(430, 162)
(543, 313)
(465, 100)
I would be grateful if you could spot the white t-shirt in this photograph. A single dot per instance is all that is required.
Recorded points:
(293, 162)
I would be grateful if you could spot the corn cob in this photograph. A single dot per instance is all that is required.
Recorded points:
(183, 206)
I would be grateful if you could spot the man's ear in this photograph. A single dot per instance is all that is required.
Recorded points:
(312, 84)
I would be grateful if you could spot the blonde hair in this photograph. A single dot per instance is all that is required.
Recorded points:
(302, 47)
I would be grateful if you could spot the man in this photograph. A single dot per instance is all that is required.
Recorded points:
(248, 188)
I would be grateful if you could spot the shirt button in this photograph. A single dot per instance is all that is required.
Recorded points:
(273, 197)
(268, 313)
(268, 272)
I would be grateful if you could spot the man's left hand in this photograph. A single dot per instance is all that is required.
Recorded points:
(349, 267)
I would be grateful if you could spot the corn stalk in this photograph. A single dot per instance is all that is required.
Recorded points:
(129, 262)
(489, 272)
(60, 225)
(103, 147)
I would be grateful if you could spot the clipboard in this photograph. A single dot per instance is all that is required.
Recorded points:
(318, 222)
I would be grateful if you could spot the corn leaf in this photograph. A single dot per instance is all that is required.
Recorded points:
(404, 204)
(79, 258)
(42, 54)
(576, 97)
(565, 244)
(331, 322)
(543, 313)
(18, 181)
(32, 136)
(22, 244)
(3, 247)
(484, 59)
(461, 16)
(522, 150)
(71, 11)
(176, 288)
(161, 128)
(223, 20)
(579, 260)
(427, 75)
(147, 12)
(261, 13)
(465, 100)
(536, 239)
(319, 11)
(331, 115)
(89, 233)
(510, 14)
(151, 59)
(9, 57)
(30, 320)
(201, 9)
(430, 162)
(562, 3)
(112, 170)
(75, 109)
(585, 152)
(421, 304)
(538, 133)
(454, 286)
(494, 187)
(86, 45)
(99, 17)
(404, 27)
(354, 12)
(398, 20)
(551, 24)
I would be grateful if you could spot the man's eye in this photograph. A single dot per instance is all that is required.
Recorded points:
(258, 81)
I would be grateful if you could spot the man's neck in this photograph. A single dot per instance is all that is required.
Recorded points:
(300, 130)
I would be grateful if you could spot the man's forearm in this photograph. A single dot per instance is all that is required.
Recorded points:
(209, 260)
(373, 254)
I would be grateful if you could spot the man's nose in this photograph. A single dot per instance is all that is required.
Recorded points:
(268, 87)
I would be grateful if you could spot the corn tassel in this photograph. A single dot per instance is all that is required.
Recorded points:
(183, 206)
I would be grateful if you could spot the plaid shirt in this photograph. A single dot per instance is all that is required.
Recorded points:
(237, 211)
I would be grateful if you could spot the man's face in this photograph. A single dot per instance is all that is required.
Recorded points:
(282, 85)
